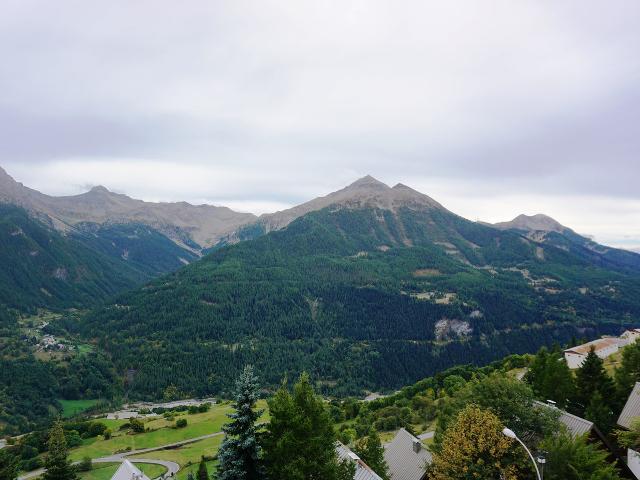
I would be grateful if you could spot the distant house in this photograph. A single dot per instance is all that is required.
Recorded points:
(128, 471)
(406, 457)
(363, 471)
(603, 347)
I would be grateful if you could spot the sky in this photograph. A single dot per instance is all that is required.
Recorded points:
(493, 108)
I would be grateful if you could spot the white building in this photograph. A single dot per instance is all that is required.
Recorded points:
(603, 347)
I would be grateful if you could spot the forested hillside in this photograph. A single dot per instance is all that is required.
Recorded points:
(42, 268)
(362, 297)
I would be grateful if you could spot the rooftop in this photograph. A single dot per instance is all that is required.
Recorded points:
(631, 409)
(575, 425)
(363, 471)
(406, 457)
(128, 471)
(596, 344)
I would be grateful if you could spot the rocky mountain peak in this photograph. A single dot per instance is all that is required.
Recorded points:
(537, 222)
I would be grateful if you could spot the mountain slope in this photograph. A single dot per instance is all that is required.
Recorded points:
(379, 289)
(41, 268)
(190, 226)
(546, 230)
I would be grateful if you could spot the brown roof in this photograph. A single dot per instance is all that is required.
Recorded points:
(596, 344)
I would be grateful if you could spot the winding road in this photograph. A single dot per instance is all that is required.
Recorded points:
(172, 467)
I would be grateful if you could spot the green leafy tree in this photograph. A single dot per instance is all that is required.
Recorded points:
(571, 458)
(372, 452)
(473, 447)
(591, 377)
(550, 377)
(300, 443)
(509, 399)
(203, 473)
(8, 465)
(56, 463)
(239, 454)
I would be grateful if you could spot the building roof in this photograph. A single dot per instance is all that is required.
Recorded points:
(406, 457)
(596, 344)
(631, 409)
(128, 471)
(363, 471)
(575, 425)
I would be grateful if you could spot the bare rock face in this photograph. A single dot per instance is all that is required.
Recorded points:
(365, 192)
(531, 223)
(191, 226)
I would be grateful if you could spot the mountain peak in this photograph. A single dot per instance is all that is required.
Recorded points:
(369, 181)
(537, 222)
(99, 189)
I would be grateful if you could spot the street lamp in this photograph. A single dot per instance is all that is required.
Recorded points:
(511, 434)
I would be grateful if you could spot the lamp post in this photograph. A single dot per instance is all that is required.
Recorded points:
(511, 434)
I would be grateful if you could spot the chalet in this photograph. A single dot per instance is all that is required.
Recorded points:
(406, 457)
(128, 471)
(363, 471)
(629, 414)
(603, 347)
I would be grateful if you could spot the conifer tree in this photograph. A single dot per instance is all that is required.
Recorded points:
(591, 377)
(300, 442)
(570, 458)
(239, 455)
(628, 373)
(56, 463)
(550, 378)
(203, 473)
(599, 412)
(372, 453)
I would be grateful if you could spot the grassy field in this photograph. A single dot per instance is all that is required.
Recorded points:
(189, 455)
(104, 471)
(73, 407)
(160, 431)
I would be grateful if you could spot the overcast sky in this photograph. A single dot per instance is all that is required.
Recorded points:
(494, 108)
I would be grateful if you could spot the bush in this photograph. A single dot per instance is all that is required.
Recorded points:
(107, 434)
(96, 428)
(137, 426)
(181, 423)
(73, 438)
(85, 465)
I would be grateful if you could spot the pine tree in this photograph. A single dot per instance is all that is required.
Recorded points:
(628, 373)
(203, 474)
(372, 453)
(570, 458)
(56, 463)
(190, 476)
(239, 455)
(591, 377)
(600, 413)
(300, 442)
(550, 377)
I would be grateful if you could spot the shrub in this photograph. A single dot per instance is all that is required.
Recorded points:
(107, 434)
(137, 426)
(181, 423)
(85, 465)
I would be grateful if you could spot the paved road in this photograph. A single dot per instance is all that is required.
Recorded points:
(172, 467)
(426, 435)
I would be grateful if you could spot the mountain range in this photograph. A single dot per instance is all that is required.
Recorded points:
(368, 288)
